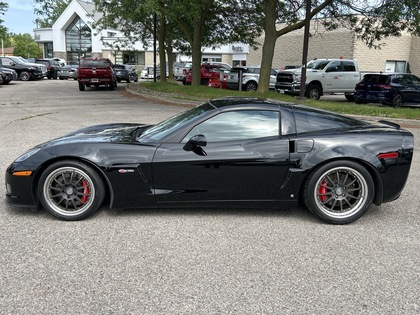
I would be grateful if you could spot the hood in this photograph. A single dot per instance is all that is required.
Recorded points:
(111, 133)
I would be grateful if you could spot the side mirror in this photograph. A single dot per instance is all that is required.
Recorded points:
(195, 144)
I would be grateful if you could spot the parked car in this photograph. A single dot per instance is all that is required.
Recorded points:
(9, 75)
(52, 67)
(250, 78)
(323, 76)
(209, 71)
(26, 71)
(180, 69)
(393, 89)
(126, 73)
(96, 72)
(227, 152)
(67, 72)
(148, 72)
(2, 77)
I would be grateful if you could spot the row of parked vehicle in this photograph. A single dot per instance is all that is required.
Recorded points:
(323, 76)
(14, 68)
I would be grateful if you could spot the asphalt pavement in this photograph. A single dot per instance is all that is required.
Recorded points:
(192, 261)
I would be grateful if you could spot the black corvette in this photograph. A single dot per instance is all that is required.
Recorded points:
(228, 152)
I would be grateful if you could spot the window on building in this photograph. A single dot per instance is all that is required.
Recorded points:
(78, 41)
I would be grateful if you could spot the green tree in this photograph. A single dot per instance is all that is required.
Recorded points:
(3, 29)
(25, 46)
(49, 11)
(371, 21)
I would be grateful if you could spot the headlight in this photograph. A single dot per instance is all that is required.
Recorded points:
(297, 77)
(27, 154)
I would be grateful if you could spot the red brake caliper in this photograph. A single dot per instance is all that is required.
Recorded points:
(322, 190)
(85, 191)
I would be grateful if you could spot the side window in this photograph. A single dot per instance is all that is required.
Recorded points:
(334, 66)
(415, 80)
(7, 61)
(349, 66)
(238, 125)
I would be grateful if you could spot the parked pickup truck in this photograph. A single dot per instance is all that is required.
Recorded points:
(96, 72)
(323, 76)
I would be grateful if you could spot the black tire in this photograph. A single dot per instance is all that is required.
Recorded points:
(119, 80)
(128, 80)
(339, 192)
(61, 78)
(251, 86)
(70, 190)
(111, 86)
(25, 76)
(349, 97)
(397, 100)
(6, 82)
(81, 87)
(313, 92)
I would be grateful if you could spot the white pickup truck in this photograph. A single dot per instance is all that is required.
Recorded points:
(323, 76)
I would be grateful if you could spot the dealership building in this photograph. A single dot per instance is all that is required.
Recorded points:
(73, 37)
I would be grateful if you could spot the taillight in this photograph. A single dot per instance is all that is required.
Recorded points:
(384, 86)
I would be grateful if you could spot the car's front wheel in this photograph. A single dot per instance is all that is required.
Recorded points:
(339, 192)
(25, 76)
(71, 190)
(314, 92)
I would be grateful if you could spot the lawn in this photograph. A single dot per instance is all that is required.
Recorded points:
(176, 90)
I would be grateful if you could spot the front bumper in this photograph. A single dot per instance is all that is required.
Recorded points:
(19, 190)
(288, 88)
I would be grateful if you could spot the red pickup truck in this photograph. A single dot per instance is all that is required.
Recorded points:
(96, 72)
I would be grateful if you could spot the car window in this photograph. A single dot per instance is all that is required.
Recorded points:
(334, 66)
(415, 80)
(238, 125)
(96, 63)
(349, 66)
(309, 120)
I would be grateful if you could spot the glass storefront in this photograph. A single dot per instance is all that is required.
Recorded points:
(78, 41)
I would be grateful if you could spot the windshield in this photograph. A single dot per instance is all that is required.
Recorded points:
(159, 131)
(16, 60)
(317, 64)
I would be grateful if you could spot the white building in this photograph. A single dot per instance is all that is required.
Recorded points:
(73, 36)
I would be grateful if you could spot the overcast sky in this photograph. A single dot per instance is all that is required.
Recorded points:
(19, 17)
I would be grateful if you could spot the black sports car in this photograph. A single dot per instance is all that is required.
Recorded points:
(245, 152)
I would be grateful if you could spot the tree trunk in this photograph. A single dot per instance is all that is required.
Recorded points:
(161, 40)
(169, 53)
(196, 53)
(268, 46)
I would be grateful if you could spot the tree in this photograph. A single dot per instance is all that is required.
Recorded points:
(25, 46)
(3, 29)
(186, 25)
(371, 21)
(49, 11)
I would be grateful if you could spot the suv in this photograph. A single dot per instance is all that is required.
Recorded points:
(250, 78)
(25, 70)
(209, 71)
(8, 75)
(126, 73)
(52, 67)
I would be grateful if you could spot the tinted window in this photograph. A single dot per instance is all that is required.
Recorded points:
(349, 66)
(375, 78)
(238, 125)
(308, 120)
(96, 64)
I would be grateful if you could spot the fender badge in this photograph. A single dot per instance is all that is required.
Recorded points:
(125, 171)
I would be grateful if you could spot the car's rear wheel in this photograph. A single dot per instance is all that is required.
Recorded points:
(313, 92)
(339, 192)
(251, 86)
(71, 190)
(25, 76)
(81, 87)
(349, 97)
(397, 100)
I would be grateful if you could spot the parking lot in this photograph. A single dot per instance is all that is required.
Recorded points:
(178, 261)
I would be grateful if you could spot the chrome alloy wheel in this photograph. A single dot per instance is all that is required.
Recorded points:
(69, 191)
(341, 192)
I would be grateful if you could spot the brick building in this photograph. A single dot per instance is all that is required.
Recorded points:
(396, 54)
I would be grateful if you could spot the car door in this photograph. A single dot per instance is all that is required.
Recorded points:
(415, 83)
(244, 159)
(334, 80)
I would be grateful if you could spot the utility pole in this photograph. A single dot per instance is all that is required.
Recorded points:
(305, 49)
